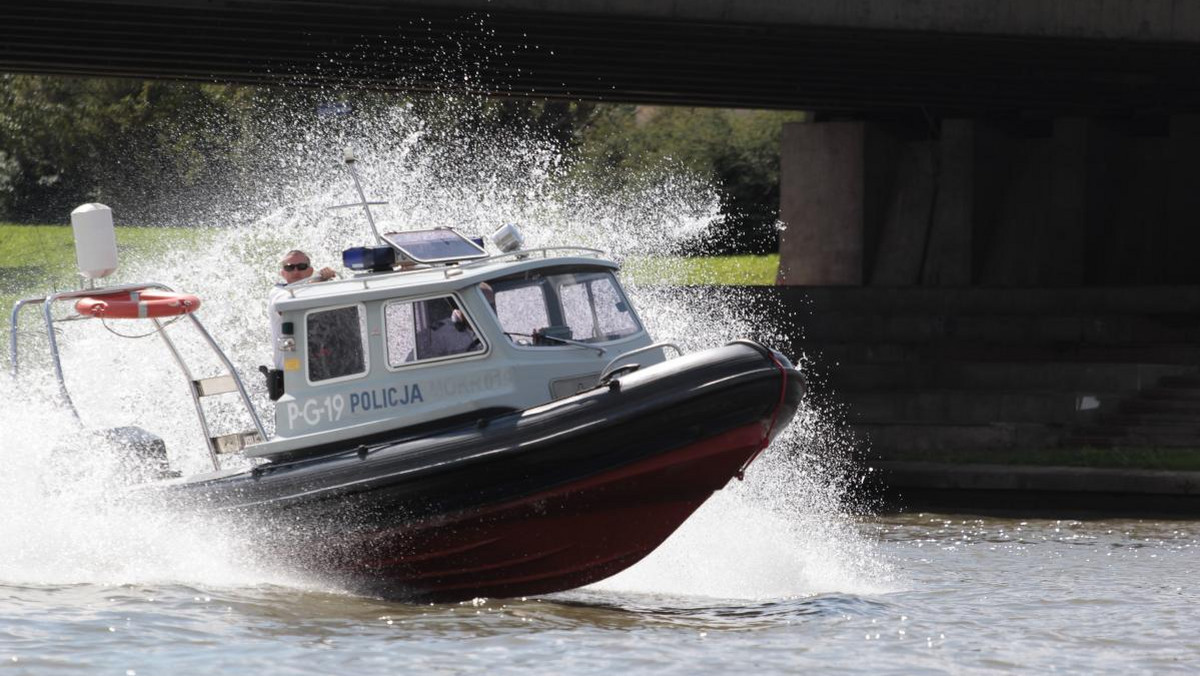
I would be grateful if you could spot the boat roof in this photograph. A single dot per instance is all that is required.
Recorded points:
(438, 278)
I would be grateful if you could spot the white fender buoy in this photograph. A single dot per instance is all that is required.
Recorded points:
(95, 240)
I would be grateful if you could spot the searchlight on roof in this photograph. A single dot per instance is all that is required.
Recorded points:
(508, 238)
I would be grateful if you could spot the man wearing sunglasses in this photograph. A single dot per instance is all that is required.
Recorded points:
(295, 268)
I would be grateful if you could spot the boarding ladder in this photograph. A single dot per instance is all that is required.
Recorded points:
(224, 383)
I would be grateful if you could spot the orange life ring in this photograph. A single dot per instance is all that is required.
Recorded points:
(137, 304)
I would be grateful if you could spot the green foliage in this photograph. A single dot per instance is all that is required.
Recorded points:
(616, 146)
(737, 149)
(64, 141)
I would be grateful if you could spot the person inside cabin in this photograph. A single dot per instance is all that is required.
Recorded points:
(443, 329)
(460, 320)
(295, 268)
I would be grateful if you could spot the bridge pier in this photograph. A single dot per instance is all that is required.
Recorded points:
(1063, 202)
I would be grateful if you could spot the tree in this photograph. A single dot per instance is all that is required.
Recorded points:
(70, 140)
(737, 149)
(65, 141)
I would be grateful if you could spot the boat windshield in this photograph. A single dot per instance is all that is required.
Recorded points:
(554, 309)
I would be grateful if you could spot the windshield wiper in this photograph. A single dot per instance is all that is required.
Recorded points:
(567, 341)
(576, 343)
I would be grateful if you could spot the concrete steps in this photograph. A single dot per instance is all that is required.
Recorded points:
(1182, 381)
(1180, 301)
(914, 327)
(976, 406)
(897, 439)
(1000, 375)
(856, 352)
(1132, 440)
(1165, 416)
(1171, 394)
(1177, 406)
(1049, 491)
(940, 369)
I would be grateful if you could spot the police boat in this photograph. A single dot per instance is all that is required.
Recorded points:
(449, 422)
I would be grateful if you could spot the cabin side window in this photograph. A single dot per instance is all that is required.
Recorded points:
(427, 329)
(336, 343)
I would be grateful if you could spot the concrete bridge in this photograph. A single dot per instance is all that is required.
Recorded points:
(994, 191)
(860, 57)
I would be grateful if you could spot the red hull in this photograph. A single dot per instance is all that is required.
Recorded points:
(533, 545)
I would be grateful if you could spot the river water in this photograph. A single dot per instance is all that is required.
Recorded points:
(950, 593)
(774, 574)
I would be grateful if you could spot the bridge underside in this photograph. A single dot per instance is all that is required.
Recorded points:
(619, 57)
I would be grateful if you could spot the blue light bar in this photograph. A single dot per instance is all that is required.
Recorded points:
(373, 258)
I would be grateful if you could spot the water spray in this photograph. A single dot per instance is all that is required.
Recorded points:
(510, 180)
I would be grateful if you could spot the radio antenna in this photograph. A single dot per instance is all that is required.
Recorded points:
(351, 160)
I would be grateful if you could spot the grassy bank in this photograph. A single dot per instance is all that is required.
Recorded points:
(37, 258)
(721, 270)
(43, 256)
(52, 247)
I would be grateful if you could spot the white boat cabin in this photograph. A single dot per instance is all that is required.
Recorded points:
(395, 349)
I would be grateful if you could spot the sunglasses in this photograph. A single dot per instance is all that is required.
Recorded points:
(295, 266)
